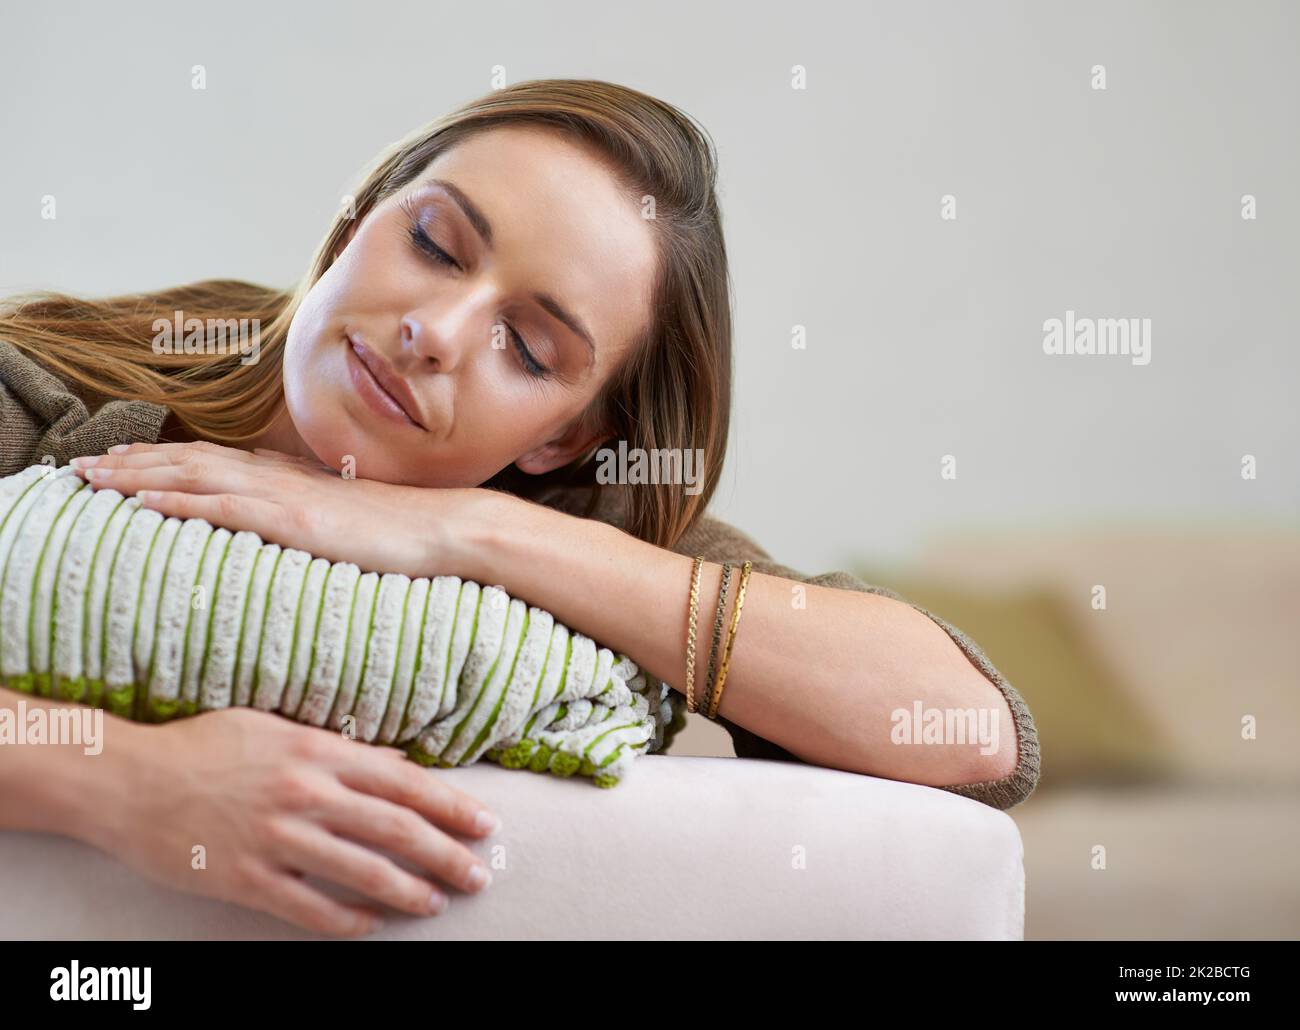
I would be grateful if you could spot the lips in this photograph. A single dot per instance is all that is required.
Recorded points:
(389, 383)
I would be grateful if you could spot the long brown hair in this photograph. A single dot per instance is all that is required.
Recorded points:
(673, 391)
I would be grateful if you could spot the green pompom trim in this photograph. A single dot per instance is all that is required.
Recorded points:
(562, 756)
(516, 756)
(541, 759)
(417, 754)
(73, 689)
(120, 701)
(162, 711)
(24, 682)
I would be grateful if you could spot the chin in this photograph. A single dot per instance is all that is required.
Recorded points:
(343, 440)
(350, 453)
(345, 447)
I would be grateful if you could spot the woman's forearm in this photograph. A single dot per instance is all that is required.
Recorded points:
(56, 786)
(822, 680)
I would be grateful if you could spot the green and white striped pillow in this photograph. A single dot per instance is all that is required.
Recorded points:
(110, 604)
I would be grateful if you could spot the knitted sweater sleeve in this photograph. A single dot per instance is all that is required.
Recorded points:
(43, 421)
(719, 542)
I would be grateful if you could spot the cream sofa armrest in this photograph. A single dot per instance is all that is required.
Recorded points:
(684, 848)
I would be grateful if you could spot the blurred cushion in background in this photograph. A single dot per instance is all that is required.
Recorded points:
(1201, 629)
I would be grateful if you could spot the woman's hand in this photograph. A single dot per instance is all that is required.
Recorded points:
(268, 800)
(298, 503)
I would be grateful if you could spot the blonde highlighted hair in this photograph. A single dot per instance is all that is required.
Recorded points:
(672, 392)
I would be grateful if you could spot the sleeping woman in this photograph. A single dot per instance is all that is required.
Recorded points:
(511, 294)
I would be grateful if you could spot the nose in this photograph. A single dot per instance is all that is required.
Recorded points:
(427, 343)
(444, 332)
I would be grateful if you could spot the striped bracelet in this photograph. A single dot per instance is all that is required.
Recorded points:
(716, 696)
(717, 635)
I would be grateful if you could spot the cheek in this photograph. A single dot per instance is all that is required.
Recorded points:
(499, 415)
(313, 373)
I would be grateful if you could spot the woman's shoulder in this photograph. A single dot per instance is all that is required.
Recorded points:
(45, 418)
(720, 541)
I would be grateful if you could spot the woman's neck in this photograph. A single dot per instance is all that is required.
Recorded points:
(281, 435)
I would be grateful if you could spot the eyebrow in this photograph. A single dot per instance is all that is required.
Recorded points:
(476, 217)
(552, 306)
(484, 228)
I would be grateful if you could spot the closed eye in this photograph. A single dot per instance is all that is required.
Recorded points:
(531, 365)
(423, 243)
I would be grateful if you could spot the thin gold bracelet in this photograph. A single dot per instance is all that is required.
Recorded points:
(690, 633)
(718, 623)
(716, 699)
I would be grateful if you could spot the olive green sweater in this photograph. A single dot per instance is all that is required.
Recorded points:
(43, 419)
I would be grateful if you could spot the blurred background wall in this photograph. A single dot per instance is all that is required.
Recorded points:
(924, 333)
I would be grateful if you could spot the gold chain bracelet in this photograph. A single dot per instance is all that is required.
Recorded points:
(690, 633)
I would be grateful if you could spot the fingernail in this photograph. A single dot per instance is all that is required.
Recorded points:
(486, 822)
(118, 448)
(479, 878)
(83, 463)
(437, 902)
(96, 475)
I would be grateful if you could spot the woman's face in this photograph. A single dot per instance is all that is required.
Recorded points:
(440, 363)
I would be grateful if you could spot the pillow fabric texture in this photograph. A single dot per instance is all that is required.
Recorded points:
(110, 604)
